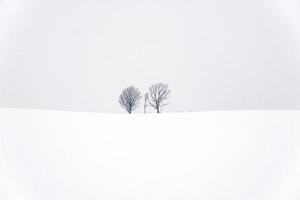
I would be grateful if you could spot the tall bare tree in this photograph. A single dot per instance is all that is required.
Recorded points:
(159, 94)
(129, 98)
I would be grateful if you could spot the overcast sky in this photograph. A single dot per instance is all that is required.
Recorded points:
(79, 55)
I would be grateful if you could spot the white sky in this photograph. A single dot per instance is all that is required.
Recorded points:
(79, 55)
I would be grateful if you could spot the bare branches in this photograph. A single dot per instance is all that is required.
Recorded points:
(130, 98)
(157, 97)
(159, 94)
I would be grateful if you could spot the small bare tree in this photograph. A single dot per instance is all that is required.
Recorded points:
(129, 98)
(159, 94)
(146, 99)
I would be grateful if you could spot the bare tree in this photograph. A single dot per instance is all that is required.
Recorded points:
(129, 98)
(159, 94)
(146, 99)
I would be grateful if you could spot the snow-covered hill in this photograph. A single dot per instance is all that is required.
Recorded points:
(56, 155)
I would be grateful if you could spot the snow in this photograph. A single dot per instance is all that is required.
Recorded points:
(220, 155)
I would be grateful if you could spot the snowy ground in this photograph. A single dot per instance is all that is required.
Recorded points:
(232, 155)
